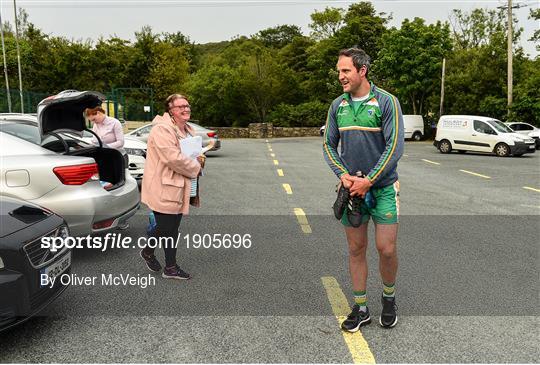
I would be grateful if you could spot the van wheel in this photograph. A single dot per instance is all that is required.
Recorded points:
(445, 146)
(502, 150)
(417, 137)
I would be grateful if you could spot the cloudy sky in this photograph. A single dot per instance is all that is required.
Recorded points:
(207, 21)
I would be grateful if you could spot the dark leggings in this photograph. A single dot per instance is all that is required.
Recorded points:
(166, 226)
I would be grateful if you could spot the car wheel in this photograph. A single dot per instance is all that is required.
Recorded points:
(462, 151)
(502, 150)
(445, 146)
(417, 137)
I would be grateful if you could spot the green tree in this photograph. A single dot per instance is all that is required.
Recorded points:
(326, 23)
(279, 36)
(410, 61)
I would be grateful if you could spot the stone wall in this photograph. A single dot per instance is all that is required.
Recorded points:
(254, 130)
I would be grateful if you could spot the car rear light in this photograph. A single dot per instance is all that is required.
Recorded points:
(103, 224)
(211, 134)
(77, 174)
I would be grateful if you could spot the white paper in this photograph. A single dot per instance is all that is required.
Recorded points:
(191, 146)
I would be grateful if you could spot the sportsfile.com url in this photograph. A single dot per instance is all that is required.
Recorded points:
(117, 240)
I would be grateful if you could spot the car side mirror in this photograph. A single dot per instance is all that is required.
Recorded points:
(138, 134)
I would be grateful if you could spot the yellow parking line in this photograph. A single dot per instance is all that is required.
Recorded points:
(358, 347)
(533, 189)
(272, 155)
(302, 220)
(428, 161)
(280, 172)
(287, 188)
(475, 174)
(276, 162)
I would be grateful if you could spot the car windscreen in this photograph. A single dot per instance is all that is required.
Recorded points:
(28, 132)
(500, 126)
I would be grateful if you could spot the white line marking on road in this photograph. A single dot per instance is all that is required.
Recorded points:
(475, 174)
(429, 161)
(530, 206)
(532, 189)
(276, 162)
(272, 155)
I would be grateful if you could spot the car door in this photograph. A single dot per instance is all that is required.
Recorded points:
(484, 137)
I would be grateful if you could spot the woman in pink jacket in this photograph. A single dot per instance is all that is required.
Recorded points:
(167, 178)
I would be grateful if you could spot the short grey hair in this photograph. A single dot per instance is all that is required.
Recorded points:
(359, 57)
(171, 98)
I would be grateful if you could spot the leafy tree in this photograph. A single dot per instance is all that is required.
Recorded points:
(410, 61)
(535, 14)
(326, 23)
(280, 36)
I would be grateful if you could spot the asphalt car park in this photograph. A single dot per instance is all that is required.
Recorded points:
(468, 258)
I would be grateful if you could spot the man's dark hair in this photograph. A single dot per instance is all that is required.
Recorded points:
(359, 57)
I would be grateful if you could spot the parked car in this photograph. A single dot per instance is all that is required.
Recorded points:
(480, 134)
(526, 129)
(26, 127)
(23, 260)
(414, 126)
(207, 135)
(85, 184)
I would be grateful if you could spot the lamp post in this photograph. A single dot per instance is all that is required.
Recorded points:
(18, 55)
(5, 62)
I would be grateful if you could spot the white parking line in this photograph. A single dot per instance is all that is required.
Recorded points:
(475, 174)
(532, 189)
(432, 162)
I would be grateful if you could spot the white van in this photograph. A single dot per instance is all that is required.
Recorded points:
(414, 126)
(480, 134)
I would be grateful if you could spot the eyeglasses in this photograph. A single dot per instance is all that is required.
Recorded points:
(182, 107)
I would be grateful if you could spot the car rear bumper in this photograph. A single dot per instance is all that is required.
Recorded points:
(83, 206)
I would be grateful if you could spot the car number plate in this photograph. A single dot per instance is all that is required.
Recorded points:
(57, 268)
(531, 147)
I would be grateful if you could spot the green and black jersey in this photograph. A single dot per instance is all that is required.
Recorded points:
(371, 136)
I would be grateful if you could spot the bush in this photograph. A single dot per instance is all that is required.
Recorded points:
(310, 114)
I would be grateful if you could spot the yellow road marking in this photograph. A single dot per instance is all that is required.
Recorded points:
(276, 162)
(272, 155)
(475, 174)
(533, 189)
(428, 161)
(302, 220)
(287, 188)
(280, 172)
(358, 347)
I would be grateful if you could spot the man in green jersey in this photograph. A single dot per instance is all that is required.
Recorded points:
(368, 123)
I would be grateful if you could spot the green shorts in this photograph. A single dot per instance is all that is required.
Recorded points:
(386, 210)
